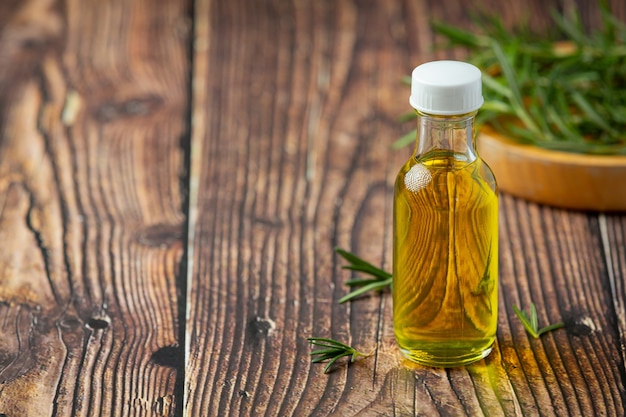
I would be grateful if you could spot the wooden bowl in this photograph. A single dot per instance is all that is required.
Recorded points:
(561, 179)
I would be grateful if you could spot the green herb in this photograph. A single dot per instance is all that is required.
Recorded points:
(381, 279)
(531, 324)
(331, 351)
(563, 90)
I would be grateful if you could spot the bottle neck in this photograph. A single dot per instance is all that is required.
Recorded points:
(449, 135)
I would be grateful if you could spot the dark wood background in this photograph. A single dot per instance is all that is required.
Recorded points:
(174, 176)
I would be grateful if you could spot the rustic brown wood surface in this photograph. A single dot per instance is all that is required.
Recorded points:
(174, 176)
(93, 110)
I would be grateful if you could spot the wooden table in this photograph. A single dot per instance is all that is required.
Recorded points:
(174, 176)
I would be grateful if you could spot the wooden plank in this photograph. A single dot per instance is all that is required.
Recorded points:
(93, 108)
(553, 258)
(300, 102)
(296, 162)
(613, 232)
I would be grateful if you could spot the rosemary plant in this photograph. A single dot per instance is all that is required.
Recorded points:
(563, 90)
(379, 281)
(331, 351)
(531, 323)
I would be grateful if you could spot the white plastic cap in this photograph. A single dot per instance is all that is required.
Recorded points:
(446, 88)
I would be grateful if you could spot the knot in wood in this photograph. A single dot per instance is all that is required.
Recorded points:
(261, 327)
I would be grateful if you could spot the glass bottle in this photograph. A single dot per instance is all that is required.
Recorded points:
(445, 240)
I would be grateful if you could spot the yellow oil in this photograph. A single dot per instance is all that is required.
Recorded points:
(445, 266)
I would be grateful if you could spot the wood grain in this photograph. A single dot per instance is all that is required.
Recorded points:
(91, 211)
(297, 161)
(174, 176)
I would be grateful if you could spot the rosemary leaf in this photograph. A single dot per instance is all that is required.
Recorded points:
(359, 264)
(380, 279)
(332, 350)
(564, 89)
(531, 323)
(404, 140)
(591, 113)
(373, 286)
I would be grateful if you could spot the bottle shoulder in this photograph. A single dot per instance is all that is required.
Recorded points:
(420, 173)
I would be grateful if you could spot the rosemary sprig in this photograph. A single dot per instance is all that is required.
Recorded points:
(531, 324)
(564, 89)
(381, 279)
(331, 351)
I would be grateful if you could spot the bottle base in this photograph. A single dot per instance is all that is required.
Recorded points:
(445, 358)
